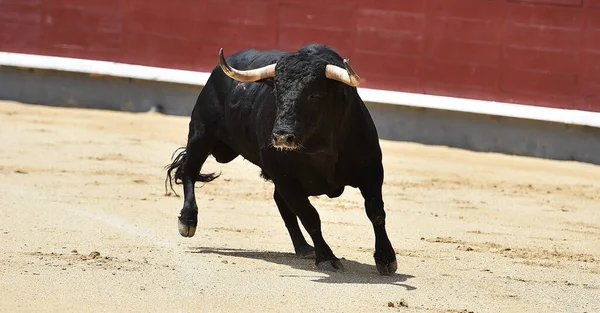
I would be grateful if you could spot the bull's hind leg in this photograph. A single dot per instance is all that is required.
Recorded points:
(187, 168)
(302, 248)
(308, 215)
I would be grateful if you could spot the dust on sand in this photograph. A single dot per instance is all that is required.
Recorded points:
(85, 225)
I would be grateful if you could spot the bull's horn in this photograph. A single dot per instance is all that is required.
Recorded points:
(346, 76)
(246, 76)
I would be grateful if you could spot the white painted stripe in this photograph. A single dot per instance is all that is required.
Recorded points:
(103, 68)
(94, 67)
(566, 116)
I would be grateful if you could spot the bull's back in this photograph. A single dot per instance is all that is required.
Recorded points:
(252, 59)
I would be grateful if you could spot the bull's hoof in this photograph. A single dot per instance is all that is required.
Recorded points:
(331, 266)
(385, 259)
(305, 252)
(186, 230)
(388, 268)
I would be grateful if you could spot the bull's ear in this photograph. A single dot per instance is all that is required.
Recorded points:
(267, 81)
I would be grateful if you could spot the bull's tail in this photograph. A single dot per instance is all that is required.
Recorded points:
(175, 172)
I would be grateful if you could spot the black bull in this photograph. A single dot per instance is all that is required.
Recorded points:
(298, 117)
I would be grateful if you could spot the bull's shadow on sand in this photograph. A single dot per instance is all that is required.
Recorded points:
(354, 272)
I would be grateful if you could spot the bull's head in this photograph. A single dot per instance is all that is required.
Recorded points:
(302, 93)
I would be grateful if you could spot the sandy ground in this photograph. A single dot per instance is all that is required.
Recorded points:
(85, 225)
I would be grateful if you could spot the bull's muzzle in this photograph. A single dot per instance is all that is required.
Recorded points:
(284, 141)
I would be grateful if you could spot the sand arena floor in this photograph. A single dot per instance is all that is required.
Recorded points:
(85, 225)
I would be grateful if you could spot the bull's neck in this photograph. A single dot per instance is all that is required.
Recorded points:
(349, 121)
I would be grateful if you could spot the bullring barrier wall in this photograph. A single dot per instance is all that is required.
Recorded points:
(463, 123)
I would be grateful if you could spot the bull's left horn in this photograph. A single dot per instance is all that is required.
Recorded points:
(246, 76)
(346, 76)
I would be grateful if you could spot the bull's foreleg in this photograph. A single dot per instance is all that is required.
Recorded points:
(302, 248)
(197, 150)
(309, 217)
(385, 256)
(188, 217)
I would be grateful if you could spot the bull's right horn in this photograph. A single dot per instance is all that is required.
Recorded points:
(246, 76)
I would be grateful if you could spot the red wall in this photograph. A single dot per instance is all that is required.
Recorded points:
(540, 52)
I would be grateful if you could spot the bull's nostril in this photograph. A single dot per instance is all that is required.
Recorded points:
(291, 139)
(284, 140)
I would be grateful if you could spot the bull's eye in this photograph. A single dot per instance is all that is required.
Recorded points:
(315, 97)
